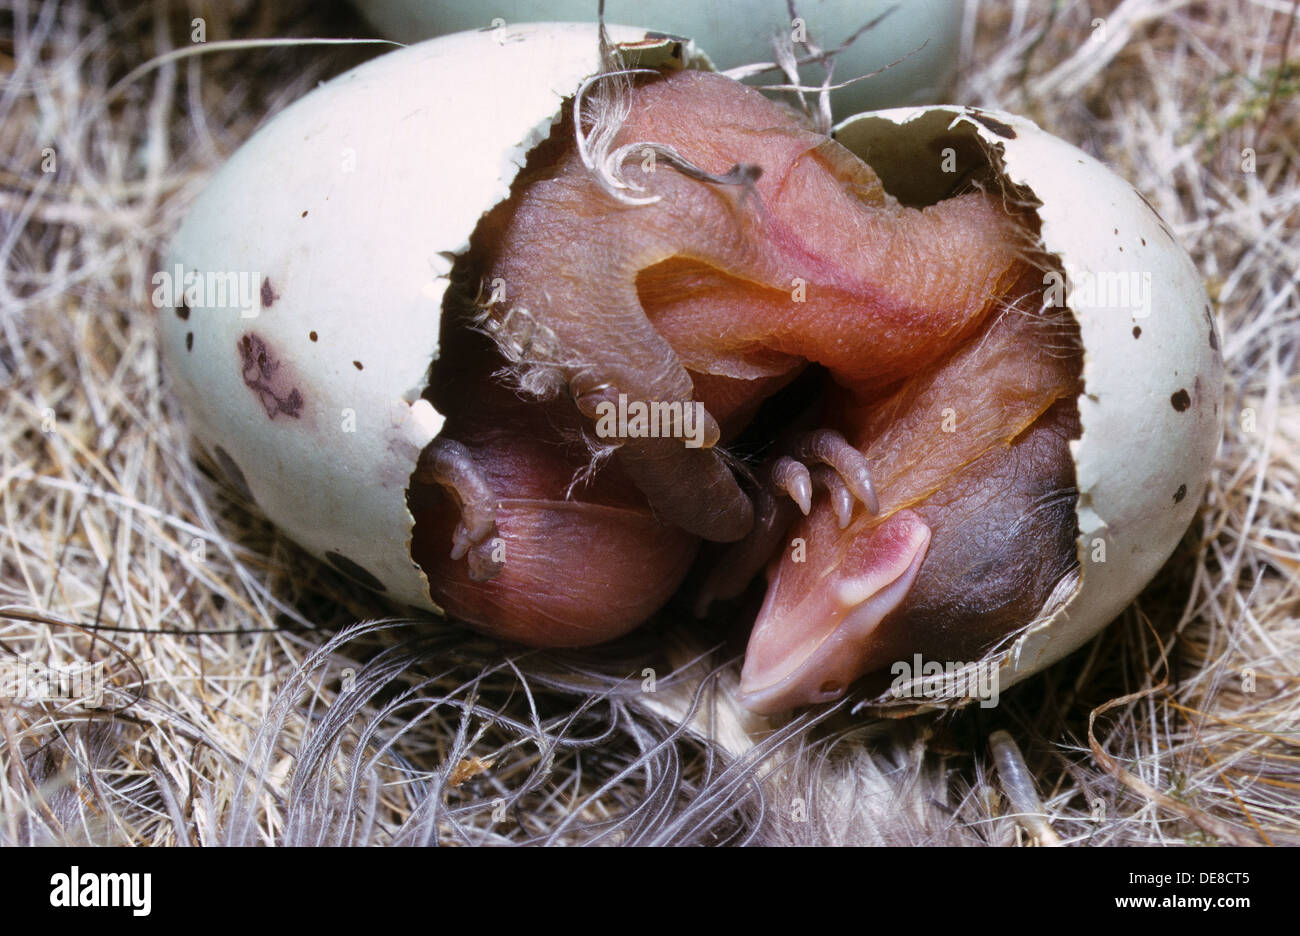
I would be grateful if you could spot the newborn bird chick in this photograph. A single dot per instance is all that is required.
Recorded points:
(719, 293)
(768, 246)
(975, 529)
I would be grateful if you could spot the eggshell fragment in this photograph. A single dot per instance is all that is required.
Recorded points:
(1153, 374)
(341, 217)
(915, 43)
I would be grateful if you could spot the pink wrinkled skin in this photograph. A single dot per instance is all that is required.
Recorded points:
(722, 293)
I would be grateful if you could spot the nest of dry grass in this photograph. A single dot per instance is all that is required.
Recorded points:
(252, 696)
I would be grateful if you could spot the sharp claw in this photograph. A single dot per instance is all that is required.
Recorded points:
(829, 480)
(793, 478)
(844, 510)
(862, 488)
(830, 448)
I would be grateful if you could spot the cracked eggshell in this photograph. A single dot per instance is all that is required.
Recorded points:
(917, 40)
(340, 219)
(1153, 372)
(330, 234)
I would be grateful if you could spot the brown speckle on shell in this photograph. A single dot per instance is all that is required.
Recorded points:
(1181, 400)
(189, 341)
(269, 295)
(263, 375)
(1180, 493)
(1137, 331)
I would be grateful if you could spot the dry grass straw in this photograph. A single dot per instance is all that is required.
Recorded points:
(246, 703)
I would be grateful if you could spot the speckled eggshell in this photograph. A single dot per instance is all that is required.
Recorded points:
(915, 42)
(343, 214)
(1153, 373)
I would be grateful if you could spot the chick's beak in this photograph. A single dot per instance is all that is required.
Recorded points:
(813, 634)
